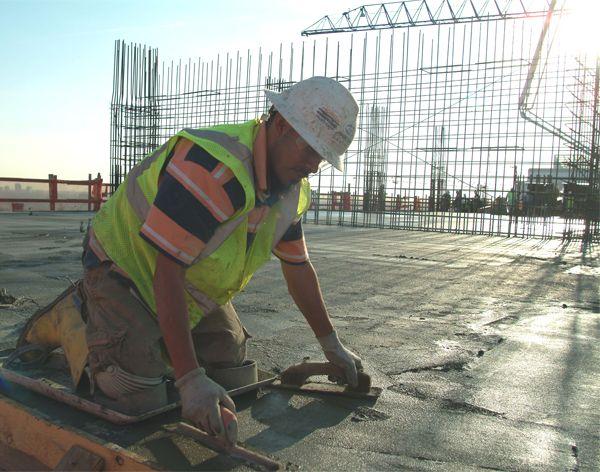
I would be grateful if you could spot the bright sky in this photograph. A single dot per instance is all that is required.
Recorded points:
(56, 65)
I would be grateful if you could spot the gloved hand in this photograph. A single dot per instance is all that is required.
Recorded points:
(337, 354)
(200, 398)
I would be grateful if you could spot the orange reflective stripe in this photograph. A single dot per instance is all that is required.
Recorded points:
(293, 251)
(222, 174)
(181, 150)
(218, 171)
(212, 195)
(198, 181)
(171, 237)
(166, 245)
(290, 257)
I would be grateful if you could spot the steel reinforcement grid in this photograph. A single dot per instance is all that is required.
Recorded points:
(457, 131)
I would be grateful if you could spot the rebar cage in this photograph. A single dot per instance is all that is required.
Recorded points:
(445, 140)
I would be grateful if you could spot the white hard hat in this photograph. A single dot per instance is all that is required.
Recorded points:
(323, 112)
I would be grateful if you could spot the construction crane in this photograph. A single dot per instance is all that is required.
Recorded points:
(410, 13)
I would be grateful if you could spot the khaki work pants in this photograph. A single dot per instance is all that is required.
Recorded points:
(121, 331)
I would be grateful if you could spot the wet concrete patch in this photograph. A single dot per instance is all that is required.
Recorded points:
(448, 403)
(442, 367)
(365, 413)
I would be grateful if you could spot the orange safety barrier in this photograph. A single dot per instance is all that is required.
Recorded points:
(52, 194)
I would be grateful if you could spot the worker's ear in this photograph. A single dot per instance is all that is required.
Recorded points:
(281, 125)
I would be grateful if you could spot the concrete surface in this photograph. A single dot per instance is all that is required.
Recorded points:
(487, 349)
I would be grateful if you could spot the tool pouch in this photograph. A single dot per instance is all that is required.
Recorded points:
(59, 324)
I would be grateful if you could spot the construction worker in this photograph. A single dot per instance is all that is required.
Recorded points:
(185, 232)
(510, 201)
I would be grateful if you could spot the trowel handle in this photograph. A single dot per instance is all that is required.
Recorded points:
(235, 451)
(298, 374)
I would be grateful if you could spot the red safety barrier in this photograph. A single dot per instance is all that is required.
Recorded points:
(59, 194)
(340, 201)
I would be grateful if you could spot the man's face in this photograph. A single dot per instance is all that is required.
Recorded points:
(290, 157)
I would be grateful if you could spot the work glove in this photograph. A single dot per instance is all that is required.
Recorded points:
(200, 399)
(337, 354)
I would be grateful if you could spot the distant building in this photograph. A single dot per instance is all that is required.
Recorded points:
(558, 175)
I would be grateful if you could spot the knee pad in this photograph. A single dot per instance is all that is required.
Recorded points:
(129, 393)
(114, 382)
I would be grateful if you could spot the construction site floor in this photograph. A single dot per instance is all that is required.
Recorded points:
(487, 348)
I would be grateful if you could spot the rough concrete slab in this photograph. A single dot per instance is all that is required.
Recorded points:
(487, 349)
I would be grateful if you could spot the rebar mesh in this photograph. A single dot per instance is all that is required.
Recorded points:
(440, 145)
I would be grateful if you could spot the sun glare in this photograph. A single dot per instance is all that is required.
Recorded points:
(579, 31)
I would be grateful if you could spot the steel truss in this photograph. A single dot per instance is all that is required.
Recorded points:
(410, 13)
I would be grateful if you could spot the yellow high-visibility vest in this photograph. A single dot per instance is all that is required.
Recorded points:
(225, 265)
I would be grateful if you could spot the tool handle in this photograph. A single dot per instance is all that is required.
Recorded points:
(237, 452)
(298, 374)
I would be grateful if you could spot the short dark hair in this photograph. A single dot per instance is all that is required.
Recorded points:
(271, 114)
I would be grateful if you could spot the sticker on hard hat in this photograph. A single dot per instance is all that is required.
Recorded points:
(340, 138)
(327, 118)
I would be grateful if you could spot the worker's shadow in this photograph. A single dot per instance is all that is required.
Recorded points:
(291, 418)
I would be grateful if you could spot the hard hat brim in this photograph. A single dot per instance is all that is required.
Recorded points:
(276, 98)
